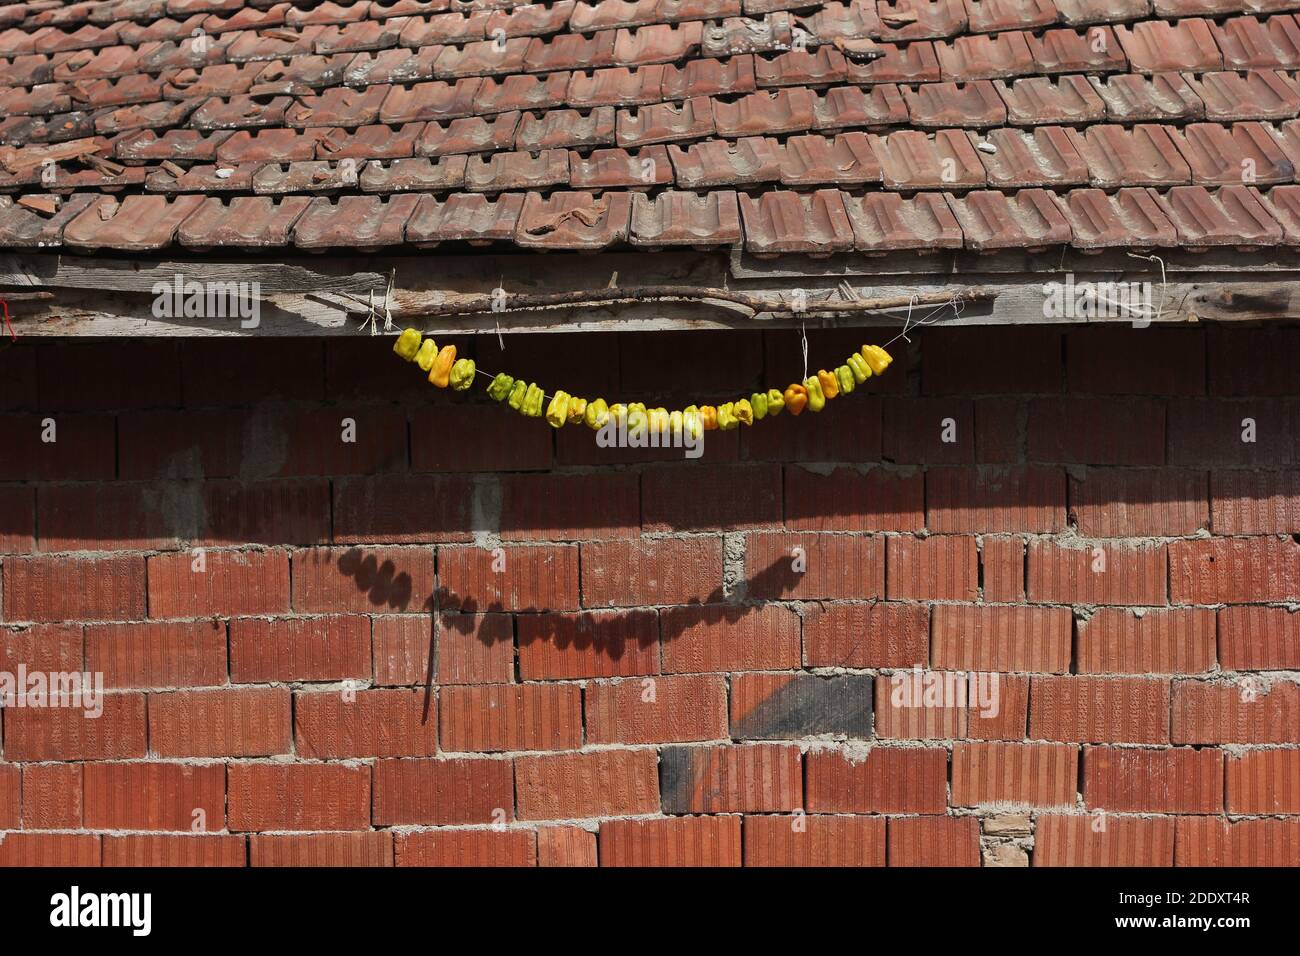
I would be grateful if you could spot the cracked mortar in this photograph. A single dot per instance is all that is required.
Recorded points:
(733, 567)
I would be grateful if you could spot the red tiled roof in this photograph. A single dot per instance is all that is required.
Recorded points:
(786, 125)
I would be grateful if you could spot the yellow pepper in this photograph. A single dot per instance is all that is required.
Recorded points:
(500, 387)
(462, 374)
(709, 417)
(517, 393)
(676, 423)
(659, 420)
(743, 411)
(427, 353)
(845, 378)
(577, 409)
(408, 344)
(532, 406)
(726, 417)
(440, 374)
(796, 397)
(876, 357)
(775, 401)
(597, 414)
(557, 413)
(758, 401)
(618, 414)
(816, 397)
(637, 419)
(693, 422)
(859, 367)
(830, 385)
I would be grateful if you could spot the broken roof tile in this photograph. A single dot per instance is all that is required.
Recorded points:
(666, 122)
(356, 222)
(766, 112)
(158, 115)
(221, 79)
(471, 134)
(984, 56)
(621, 169)
(573, 220)
(241, 112)
(816, 224)
(178, 145)
(846, 160)
(566, 128)
(1255, 94)
(1142, 156)
(1043, 156)
(1034, 100)
(846, 107)
(136, 224)
(715, 162)
(902, 63)
(937, 105)
(1079, 13)
(204, 178)
(736, 35)
(709, 77)
(21, 228)
(244, 222)
(886, 222)
(853, 20)
(419, 174)
(499, 172)
(675, 218)
(1158, 97)
(1229, 216)
(989, 219)
(1159, 46)
(911, 159)
(1130, 217)
(464, 217)
(1246, 153)
(903, 20)
(355, 37)
(340, 107)
(616, 86)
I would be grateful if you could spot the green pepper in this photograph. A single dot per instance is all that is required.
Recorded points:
(517, 393)
(758, 401)
(727, 417)
(845, 379)
(533, 397)
(500, 387)
(408, 344)
(557, 413)
(858, 366)
(597, 414)
(816, 397)
(775, 401)
(462, 374)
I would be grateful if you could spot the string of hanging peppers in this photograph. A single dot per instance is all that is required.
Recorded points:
(445, 370)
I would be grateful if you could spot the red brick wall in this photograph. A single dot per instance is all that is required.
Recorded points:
(648, 680)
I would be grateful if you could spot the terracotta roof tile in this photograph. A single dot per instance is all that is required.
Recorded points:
(438, 101)
(822, 67)
(992, 220)
(313, 176)
(911, 159)
(481, 58)
(1145, 155)
(223, 79)
(940, 105)
(566, 128)
(1250, 43)
(204, 178)
(1243, 153)
(774, 112)
(1255, 94)
(744, 162)
(711, 77)
(1158, 46)
(884, 222)
(1133, 98)
(177, 145)
(159, 115)
(997, 16)
(357, 222)
(465, 217)
(734, 35)
(685, 219)
(419, 174)
(846, 160)
(1091, 50)
(985, 56)
(616, 86)
(856, 19)
(21, 228)
(920, 19)
(666, 122)
(327, 13)
(1079, 13)
(355, 37)
(1283, 204)
(444, 27)
(816, 224)
(499, 172)
(846, 107)
(472, 134)
(1043, 156)
(529, 20)
(571, 52)
(902, 63)
(308, 72)
(338, 107)
(245, 222)
(573, 220)
(520, 92)
(398, 66)
(1034, 100)
(660, 43)
(1129, 217)
(621, 169)
(1229, 216)
(251, 146)
(371, 142)
(242, 112)
(136, 224)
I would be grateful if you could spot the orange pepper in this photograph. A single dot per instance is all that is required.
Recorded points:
(830, 384)
(440, 374)
(796, 397)
(709, 415)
